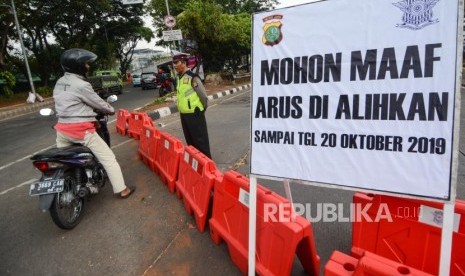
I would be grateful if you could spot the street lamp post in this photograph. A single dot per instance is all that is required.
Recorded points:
(20, 34)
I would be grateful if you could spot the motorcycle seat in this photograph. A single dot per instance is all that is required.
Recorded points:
(65, 152)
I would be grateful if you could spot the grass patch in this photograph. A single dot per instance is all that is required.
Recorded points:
(161, 100)
(17, 98)
(21, 97)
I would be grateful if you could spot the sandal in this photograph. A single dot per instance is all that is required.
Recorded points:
(131, 190)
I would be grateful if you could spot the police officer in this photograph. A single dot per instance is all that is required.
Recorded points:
(192, 102)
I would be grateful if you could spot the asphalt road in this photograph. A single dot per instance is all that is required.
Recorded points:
(149, 233)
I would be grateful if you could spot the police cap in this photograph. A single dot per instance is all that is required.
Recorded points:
(178, 56)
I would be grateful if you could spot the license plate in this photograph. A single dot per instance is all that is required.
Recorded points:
(47, 187)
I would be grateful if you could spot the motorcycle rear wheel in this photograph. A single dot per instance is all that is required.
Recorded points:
(67, 207)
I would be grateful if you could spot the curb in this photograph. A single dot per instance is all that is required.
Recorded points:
(13, 111)
(22, 109)
(166, 111)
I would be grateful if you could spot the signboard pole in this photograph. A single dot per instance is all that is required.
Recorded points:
(252, 223)
(168, 13)
(448, 209)
(287, 189)
(446, 239)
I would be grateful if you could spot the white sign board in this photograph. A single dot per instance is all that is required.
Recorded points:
(129, 2)
(172, 35)
(357, 94)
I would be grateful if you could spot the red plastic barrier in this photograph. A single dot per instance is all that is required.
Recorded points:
(147, 150)
(408, 239)
(278, 239)
(196, 177)
(169, 151)
(369, 264)
(122, 118)
(136, 122)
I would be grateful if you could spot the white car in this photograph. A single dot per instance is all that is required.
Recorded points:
(135, 80)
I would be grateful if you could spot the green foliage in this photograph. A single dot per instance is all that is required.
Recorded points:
(161, 100)
(44, 91)
(220, 37)
(206, 25)
(246, 6)
(8, 82)
(106, 27)
(221, 29)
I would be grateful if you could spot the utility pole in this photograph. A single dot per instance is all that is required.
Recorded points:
(167, 8)
(20, 34)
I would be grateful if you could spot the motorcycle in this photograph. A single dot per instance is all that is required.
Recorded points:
(165, 85)
(69, 176)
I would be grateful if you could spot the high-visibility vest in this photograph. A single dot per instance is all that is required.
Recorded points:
(187, 98)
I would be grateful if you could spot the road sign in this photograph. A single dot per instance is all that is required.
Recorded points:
(169, 21)
(172, 35)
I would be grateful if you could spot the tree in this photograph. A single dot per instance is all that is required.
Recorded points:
(220, 37)
(220, 28)
(106, 27)
(237, 38)
(119, 35)
(6, 32)
(246, 6)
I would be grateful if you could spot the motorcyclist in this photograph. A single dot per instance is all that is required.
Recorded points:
(76, 105)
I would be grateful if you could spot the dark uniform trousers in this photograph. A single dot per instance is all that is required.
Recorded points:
(194, 126)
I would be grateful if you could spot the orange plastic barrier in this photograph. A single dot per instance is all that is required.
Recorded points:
(122, 118)
(407, 239)
(369, 264)
(147, 150)
(278, 239)
(196, 177)
(169, 151)
(136, 122)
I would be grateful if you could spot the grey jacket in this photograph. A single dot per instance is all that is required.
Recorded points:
(75, 100)
(200, 90)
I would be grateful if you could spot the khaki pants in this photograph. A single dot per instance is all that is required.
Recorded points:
(103, 153)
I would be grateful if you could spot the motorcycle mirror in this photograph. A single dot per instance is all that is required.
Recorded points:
(46, 112)
(112, 99)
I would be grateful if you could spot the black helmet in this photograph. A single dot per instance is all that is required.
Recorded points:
(74, 60)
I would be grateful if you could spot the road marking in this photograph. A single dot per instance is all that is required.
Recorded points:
(162, 253)
(25, 157)
(113, 147)
(30, 181)
(120, 144)
(30, 155)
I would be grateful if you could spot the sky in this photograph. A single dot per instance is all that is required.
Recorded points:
(148, 22)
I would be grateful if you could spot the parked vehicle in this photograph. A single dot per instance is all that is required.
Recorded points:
(113, 73)
(106, 81)
(135, 80)
(69, 176)
(148, 80)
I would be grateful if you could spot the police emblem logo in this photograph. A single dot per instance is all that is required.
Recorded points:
(417, 13)
(272, 34)
(437, 217)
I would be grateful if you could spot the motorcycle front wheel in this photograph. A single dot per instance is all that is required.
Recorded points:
(67, 207)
